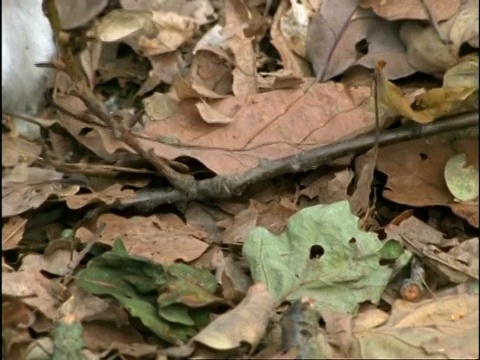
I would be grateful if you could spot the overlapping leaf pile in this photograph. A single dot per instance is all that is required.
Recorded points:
(92, 257)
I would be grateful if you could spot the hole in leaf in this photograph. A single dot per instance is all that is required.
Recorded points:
(316, 252)
(361, 48)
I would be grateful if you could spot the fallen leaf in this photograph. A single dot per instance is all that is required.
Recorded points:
(335, 32)
(321, 252)
(392, 97)
(246, 323)
(412, 9)
(163, 239)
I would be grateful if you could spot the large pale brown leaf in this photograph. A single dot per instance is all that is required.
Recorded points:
(336, 31)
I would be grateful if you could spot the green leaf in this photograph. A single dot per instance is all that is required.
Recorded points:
(119, 247)
(391, 250)
(461, 180)
(345, 272)
(68, 340)
(133, 281)
(148, 315)
(137, 282)
(176, 314)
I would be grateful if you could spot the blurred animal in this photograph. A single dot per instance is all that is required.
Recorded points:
(27, 39)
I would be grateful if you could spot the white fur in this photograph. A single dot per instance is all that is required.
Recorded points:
(26, 40)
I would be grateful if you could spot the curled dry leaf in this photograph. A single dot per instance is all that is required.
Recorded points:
(212, 116)
(290, 61)
(392, 97)
(294, 27)
(246, 323)
(148, 33)
(245, 72)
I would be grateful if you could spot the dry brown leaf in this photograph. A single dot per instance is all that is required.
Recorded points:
(364, 175)
(335, 33)
(445, 327)
(200, 10)
(15, 314)
(235, 283)
(245, 72)
(147, 32)
(212, 116)
(163, 239)
(281, 79)
(210, 72)
(264, 126)
(244, 324)
(294, 26)
(290, 61)
(412, 9)
(100, 335)
(243, 223)
(415, 173)
(206, 217)
(451, 319)
(427, 53)
(159, 106)
(106, 196)
(29, 284)
(164, 69)
(211, 259)
(329, 188)
(98, 139)
(27, 188)
(16, 150)
(274, 214)
(467, 211)
(12, 232)
(369, 318)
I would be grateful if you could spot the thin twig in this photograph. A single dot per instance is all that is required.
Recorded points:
(227, 186)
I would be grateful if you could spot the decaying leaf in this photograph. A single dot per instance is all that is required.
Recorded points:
(392, 97)
(335, 32)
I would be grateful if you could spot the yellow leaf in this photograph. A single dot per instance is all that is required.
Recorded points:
(392, 97)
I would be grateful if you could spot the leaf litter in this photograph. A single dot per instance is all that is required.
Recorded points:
(123, 235)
